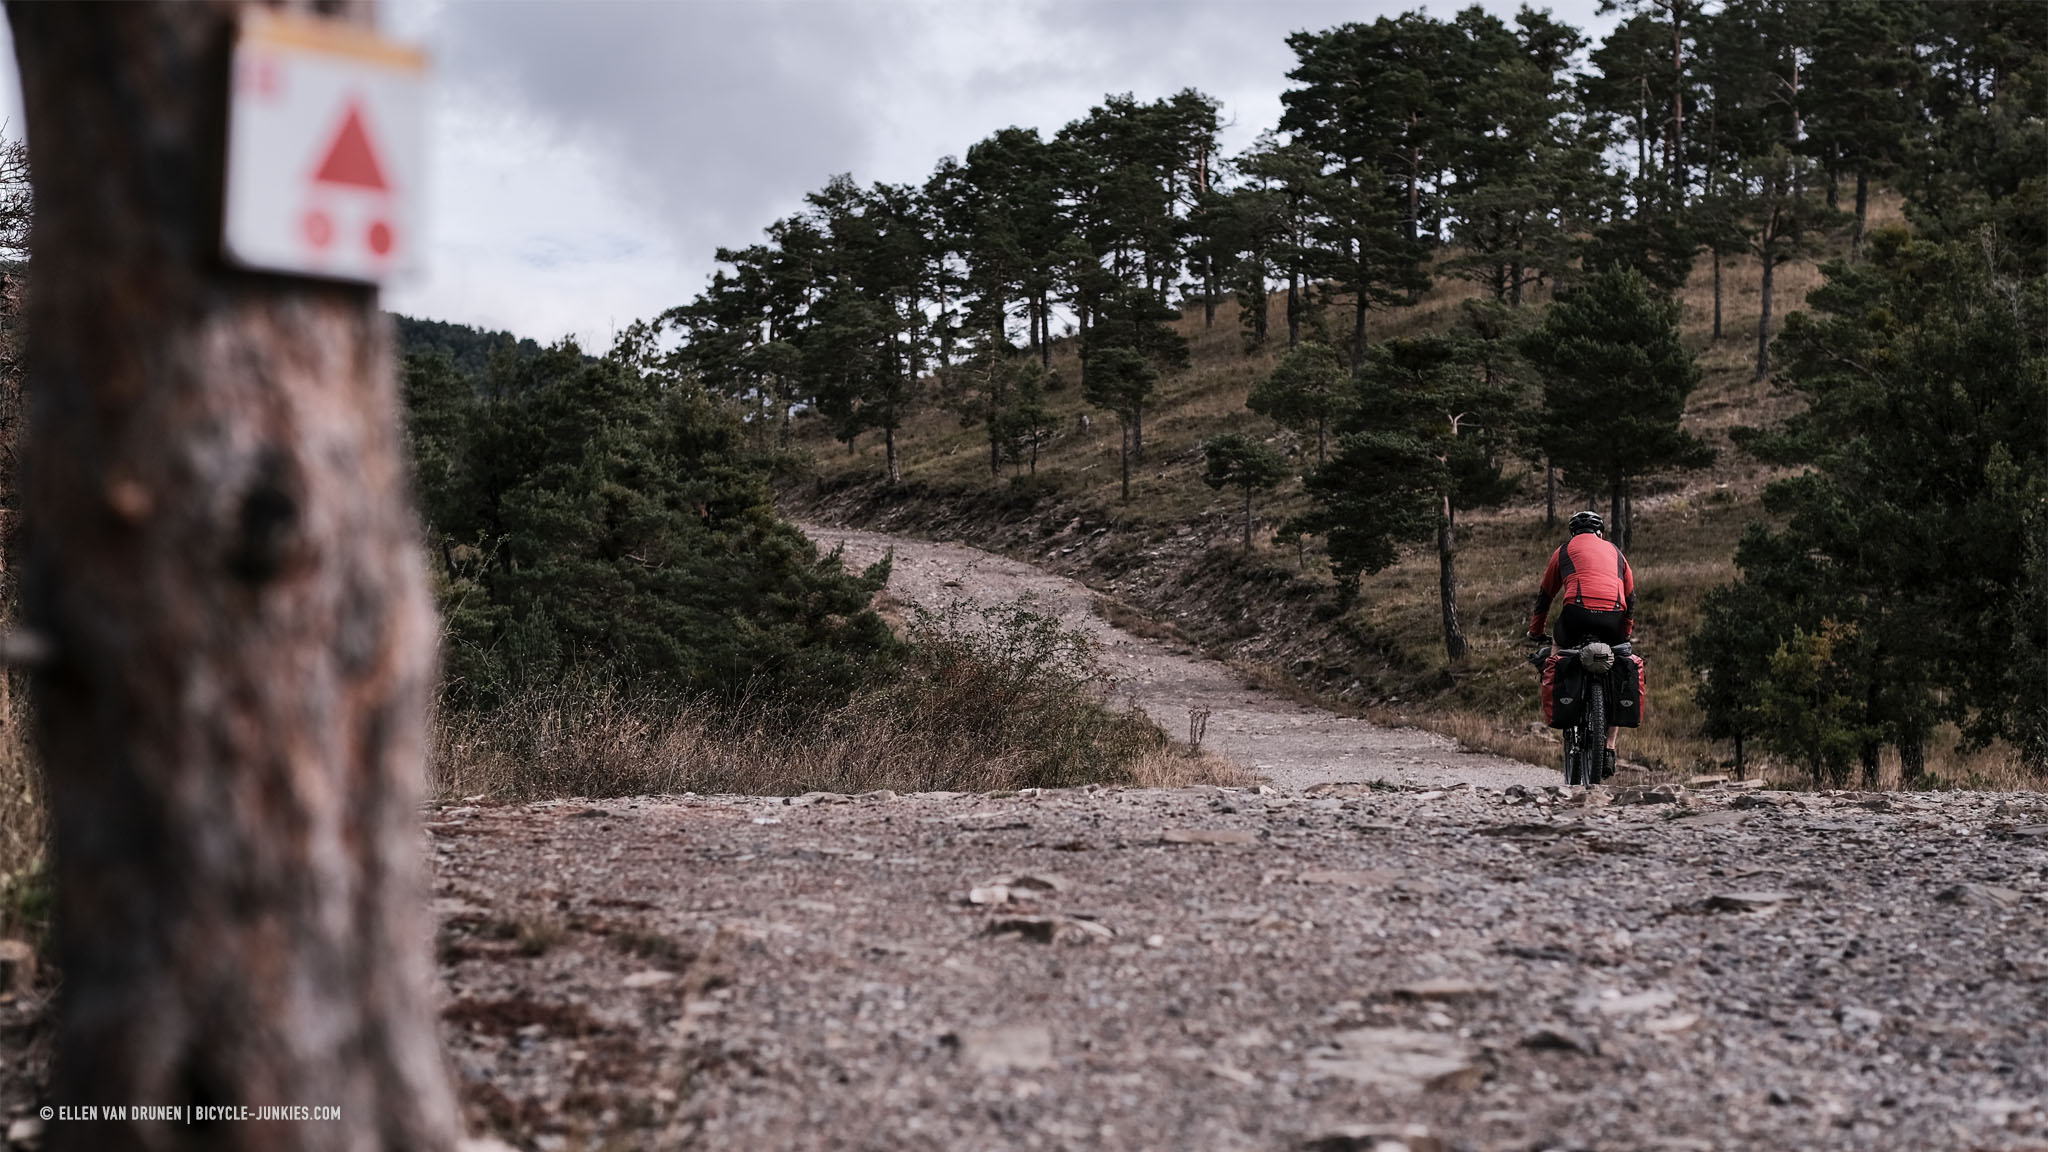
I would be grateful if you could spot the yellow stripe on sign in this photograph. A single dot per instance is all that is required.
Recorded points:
(331, 37)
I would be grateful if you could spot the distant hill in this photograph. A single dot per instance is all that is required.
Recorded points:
(470, 348)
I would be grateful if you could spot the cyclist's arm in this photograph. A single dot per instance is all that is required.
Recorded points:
(1544, 594)
(1628, 591)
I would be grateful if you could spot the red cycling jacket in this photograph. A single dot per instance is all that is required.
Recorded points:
(1591, 573)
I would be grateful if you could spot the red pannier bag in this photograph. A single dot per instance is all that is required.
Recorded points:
(1564, 691)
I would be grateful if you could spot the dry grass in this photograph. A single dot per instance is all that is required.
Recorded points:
(592, 743)
(1173, 765)
(994, 700)
(1124, 617)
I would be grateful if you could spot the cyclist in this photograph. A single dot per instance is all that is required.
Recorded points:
(1598, 590)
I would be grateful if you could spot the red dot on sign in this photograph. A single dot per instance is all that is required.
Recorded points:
(380, 238)
(319, 229)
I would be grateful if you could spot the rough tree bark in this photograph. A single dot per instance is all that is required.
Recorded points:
(221, 556)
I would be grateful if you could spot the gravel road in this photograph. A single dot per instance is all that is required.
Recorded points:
(1292, 745)
(1319, 966)
(1211, 969)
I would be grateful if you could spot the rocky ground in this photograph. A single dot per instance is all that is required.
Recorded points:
(1518, 969)
(1343, 968)
(1232, 970)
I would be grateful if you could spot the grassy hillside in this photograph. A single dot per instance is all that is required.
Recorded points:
(1171, 559)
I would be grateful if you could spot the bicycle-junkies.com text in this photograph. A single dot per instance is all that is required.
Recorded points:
(190, 1113)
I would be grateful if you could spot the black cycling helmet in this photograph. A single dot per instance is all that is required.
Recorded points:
(1587, 521)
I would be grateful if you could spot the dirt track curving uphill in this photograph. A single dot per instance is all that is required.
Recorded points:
(1292, 745)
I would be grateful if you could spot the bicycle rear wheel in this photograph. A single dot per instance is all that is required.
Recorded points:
(1593, 745)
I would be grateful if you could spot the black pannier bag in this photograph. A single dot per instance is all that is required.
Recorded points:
(1630, 692)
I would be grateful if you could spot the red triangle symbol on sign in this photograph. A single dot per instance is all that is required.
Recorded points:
(351, 159)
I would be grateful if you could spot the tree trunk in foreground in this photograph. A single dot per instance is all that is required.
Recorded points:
(221, 556)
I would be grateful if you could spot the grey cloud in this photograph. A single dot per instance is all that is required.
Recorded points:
(715, 117)
(710, 110)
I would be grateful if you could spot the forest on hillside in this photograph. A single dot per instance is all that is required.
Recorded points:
(1896, 584)
(469, 349)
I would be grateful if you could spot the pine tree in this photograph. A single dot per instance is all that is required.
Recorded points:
(1121, 380)
(1615, 378)
(1983, 145)
(1373, 102)
(1243, 231)
(1429, 433)
(1630, 88)
(1730, 650)
(1285, 184)
(1306, 392)
(1133, 319)
(1251, 465)
(740, 332)
(1027, 423)
(604, 520)
(1903, 586)
(1863, 78)
(865, 341)
(1011, 227)
(1781, 223)
(437, 398)
(1525, 168)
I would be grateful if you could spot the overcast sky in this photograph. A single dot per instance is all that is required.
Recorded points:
(587, 158)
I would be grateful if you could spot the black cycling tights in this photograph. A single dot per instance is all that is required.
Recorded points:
(1578, 624)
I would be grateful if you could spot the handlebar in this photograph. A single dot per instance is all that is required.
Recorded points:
(1544, 647)
(1625, 648)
